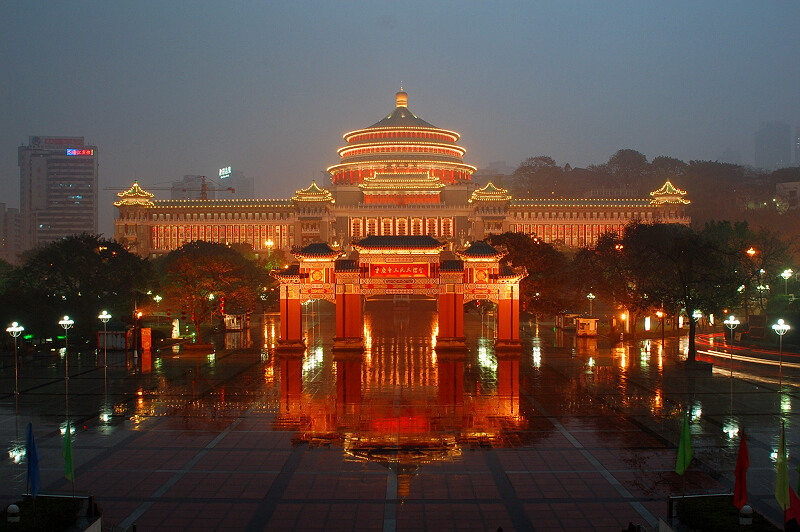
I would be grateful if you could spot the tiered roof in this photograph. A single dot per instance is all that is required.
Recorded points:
(480, 251)
(398, 242)
(402, 139)
(668, 193)
(490, 193)
(135, 195)
(317, 251)
(313, 193)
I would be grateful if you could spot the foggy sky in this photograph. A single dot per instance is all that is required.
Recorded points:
(167, 88)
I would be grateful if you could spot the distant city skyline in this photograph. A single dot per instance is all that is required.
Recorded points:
(165, 91)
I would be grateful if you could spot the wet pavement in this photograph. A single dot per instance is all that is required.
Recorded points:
(569, 433)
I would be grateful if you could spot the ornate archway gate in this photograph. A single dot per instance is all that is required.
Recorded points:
(399, 265)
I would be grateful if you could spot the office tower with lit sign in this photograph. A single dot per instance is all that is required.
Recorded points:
(58, 189)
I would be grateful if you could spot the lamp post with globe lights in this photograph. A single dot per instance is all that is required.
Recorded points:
(157, 298)
(67, 324)
(104, 317)
(780, 329)
(590, 296)
(15, 330)
(731, 323)
(787, 274)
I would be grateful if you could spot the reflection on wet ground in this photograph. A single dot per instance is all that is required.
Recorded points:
(567, 433)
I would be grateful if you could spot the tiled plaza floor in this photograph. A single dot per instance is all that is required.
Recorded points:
(249, 440)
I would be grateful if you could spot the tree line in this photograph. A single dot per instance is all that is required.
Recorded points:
(667, 267)
(82, 275)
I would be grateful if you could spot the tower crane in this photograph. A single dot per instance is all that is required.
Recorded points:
(203, 189)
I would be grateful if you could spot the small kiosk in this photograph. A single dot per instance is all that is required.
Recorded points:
(586, 326)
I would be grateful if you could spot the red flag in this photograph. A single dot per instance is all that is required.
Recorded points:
(742, 463)
(793, 511)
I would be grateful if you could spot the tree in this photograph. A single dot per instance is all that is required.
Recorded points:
(202, 276)
(544, 290)
(628, 167)
(536, 176)
(677, 266)
(609, 273)
(77, 276)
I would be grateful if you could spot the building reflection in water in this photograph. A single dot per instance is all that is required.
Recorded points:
(399, 403)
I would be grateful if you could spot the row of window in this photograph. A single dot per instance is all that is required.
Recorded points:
(180, 217)
(584, 215)
(169, 237)
(436, 227)
(572, 235)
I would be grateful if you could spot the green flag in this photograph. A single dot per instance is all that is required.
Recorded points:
(782, 474)
(685, 454)
(66, 452)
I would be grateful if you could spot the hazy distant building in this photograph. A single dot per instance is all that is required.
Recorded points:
(731, 156)
(9, 234)
(797, 146)
(497, 172)
(773, 143)
(58, 189)
(789, 192)
(236, 183)
(193, 187)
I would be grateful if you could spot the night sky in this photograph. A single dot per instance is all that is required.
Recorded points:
(168, 88)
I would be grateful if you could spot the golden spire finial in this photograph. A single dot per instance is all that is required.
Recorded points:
(401, 97)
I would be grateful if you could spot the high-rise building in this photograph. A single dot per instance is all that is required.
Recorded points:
(773, 143)
(9, 234)
(58, 189)
(236, 183)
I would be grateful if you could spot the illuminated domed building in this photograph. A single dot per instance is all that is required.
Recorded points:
(399, 176)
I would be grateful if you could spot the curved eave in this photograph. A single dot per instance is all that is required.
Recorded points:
(347, 136)
(402, 144)
(381, 163)
(317, 258)
(226, 203)
(522, 203)
(133, 203)
(489, 198)
(320, 199)
(661, 201)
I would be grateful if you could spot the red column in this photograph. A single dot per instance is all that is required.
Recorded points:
(508, 316)
(451, 312)
(291, 315)
(349, 320)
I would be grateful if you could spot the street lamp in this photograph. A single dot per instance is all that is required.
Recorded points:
(696, 315)
(787, 274)
(67, 324)
(157, 298)
(731, 323)
(660, 314)
(104, 317)
(590, 296)
(15, 330)
(780, 328)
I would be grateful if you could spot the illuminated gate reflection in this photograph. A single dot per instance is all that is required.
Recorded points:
(399, 403)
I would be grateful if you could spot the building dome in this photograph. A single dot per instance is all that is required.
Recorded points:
(401, 143)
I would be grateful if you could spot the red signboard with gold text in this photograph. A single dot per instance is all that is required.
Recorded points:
(399, 270)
